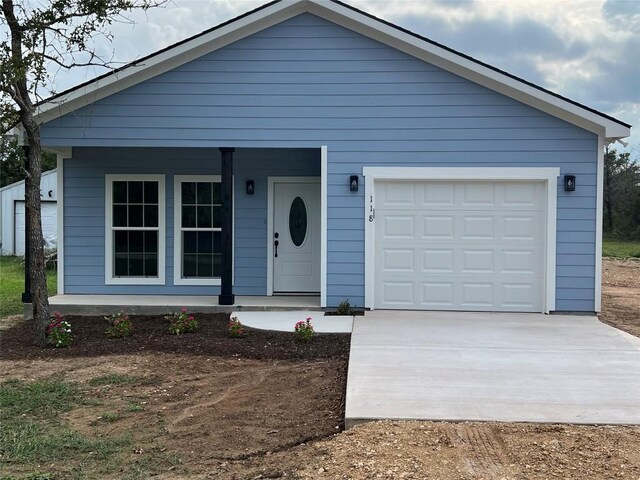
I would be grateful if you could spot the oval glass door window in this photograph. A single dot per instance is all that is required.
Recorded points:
(298, 221)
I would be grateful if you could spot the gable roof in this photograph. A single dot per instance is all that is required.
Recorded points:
(351, 18)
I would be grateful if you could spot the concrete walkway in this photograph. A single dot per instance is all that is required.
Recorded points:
(285, 321)
(483, 366)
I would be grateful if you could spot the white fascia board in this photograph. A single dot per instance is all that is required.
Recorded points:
(170, 59)
(468, 69)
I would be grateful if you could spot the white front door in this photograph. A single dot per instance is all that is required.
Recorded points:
(296, 237)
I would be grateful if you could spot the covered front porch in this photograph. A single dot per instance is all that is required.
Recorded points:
(70, 304)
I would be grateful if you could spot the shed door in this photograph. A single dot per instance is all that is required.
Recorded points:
(444, 245)
(49, 224)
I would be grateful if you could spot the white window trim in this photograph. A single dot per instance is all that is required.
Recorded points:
(177, 237)
(110, 279)
(548, 175)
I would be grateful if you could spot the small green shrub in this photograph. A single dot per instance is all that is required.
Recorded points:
(182, 322)
(59, 332)
(119, 325)
(304, 330)
(236, 329)
(344, 308)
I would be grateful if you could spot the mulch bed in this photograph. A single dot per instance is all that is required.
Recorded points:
(151, 334)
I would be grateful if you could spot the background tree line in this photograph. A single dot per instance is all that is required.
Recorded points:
(12, 168)
(621, 196)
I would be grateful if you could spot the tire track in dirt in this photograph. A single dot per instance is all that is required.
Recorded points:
(481, 449)
(258, 376)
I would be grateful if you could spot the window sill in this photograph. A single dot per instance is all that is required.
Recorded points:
(134, 281)
(207, 282)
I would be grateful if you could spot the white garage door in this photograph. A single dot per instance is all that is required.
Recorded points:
(49, 223)
(445, 245)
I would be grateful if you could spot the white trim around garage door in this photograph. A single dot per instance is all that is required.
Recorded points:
(548, 175)
(597, 301)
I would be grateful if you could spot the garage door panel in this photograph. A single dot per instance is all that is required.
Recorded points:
(437, 294)
(483, 194)
(438, 260)
(478, 227)
(438, 195)
(399, 226)
(478, 261)
(441, 226)
(399, 259)
(475, 246)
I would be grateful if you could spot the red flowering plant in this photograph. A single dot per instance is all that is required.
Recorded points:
(236, 329)
(304, 330)
(182, 322)
(59, 331)
(119, 325)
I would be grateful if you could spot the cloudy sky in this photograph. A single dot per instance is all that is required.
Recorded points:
(587, 50)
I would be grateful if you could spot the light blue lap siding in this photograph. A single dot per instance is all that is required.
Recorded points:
(307, 83)
(84, 227)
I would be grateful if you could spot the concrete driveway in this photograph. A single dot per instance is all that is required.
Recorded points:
(488, 366)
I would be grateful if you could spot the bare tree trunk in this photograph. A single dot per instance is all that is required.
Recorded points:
(39, 294)
(20, 93)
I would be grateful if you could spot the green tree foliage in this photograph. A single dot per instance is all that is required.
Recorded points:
(621, 196)
(35, 37)
(12, 162)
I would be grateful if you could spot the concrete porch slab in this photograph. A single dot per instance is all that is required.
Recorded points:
(161, 304)
(488, 366)
(286, 321)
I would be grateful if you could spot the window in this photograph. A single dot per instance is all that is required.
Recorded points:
(198, 227)
(134, 229)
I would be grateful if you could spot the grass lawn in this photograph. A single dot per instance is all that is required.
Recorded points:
(12, 285)
(620, 249)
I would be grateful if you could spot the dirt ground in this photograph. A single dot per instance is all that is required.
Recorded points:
(621, 294)
(266, 406)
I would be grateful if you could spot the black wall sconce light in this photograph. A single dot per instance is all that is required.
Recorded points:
(569, 183)
(353, 183)
(250, 187)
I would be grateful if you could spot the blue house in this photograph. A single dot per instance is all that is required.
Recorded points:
(307, 147)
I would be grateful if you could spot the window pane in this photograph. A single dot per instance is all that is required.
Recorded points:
(121, 265)
(217, 242)
(217, 265)
(298, 221)
(135, 192)
(136, 241)
(189, 217)
(136, 265)
(189, 264)
(204, 193)
(204, 217)
(150, 215)
(150, 192)
(121, 242)
(151, 242)
(119, 215)
(190, 242)
(188, 193)
(151, 265)
(217, 215)
(119, 192)
(205, 266)
(205, 242)
(217, 195)
(135, 215)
